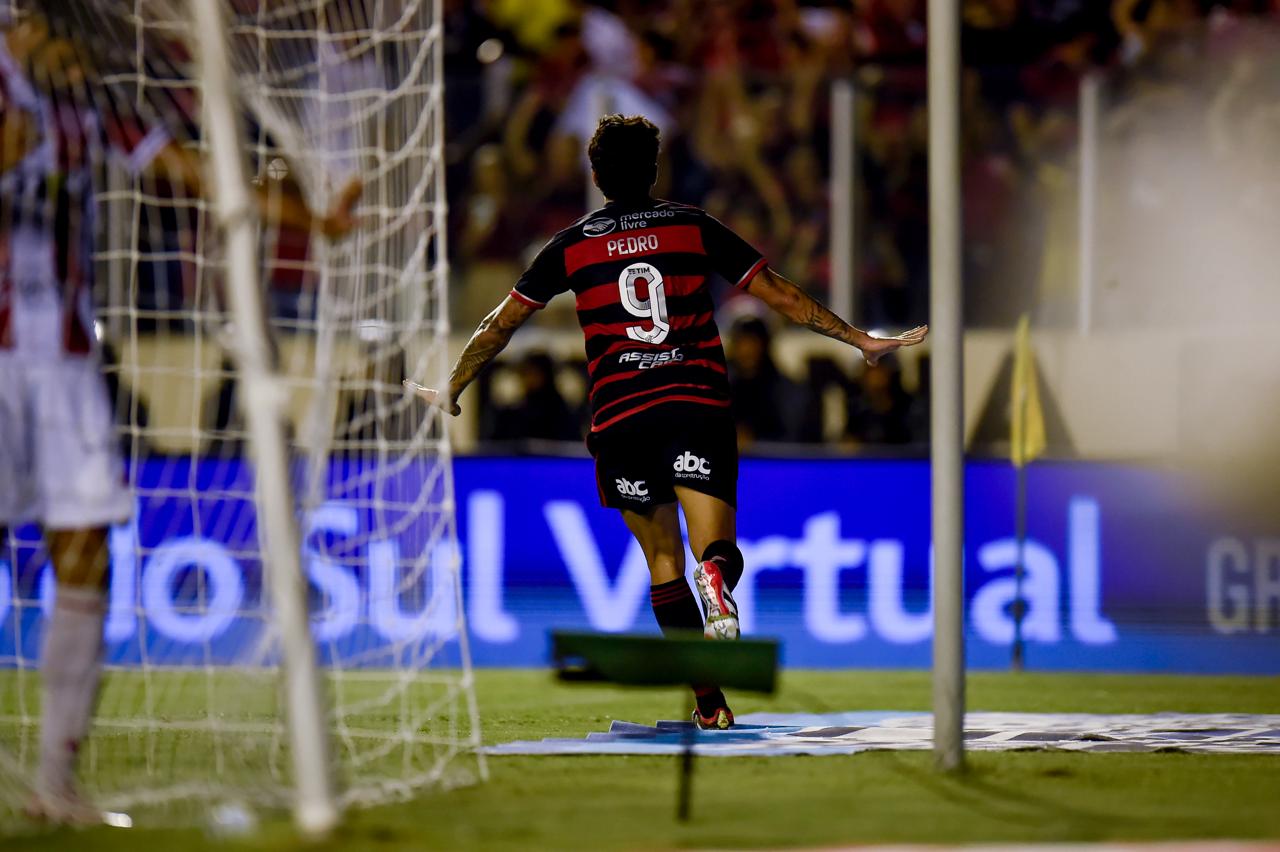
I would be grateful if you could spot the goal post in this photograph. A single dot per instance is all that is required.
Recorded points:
(286, 625)
(315, 810)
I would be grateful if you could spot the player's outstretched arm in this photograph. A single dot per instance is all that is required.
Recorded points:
(280, 202)
(490, 337)
(786, 297)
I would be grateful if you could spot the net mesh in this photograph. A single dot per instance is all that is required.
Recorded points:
(190, 710)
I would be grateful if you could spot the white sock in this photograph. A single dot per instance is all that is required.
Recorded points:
(71, 668)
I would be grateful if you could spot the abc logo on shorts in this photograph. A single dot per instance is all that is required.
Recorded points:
(627, 488)
(689, 463)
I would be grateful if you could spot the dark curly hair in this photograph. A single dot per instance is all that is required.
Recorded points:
(624, 155)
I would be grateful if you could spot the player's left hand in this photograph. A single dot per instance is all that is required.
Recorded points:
(434, 398)
(341, 218)
(876, 348)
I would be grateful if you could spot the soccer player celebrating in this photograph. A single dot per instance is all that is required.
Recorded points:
(661, 432)
(59, 460)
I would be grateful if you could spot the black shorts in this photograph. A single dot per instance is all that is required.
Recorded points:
(641, 459)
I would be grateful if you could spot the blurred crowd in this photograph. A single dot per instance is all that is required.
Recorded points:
(741, 91)
(1189, 169)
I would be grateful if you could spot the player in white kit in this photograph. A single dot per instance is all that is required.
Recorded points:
(60, 465)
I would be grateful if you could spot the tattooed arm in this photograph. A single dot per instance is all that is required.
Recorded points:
(490, 337)
(785, 297)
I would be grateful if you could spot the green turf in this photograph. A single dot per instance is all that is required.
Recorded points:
(626, 802)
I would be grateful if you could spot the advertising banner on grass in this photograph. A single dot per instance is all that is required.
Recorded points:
(1126, 568)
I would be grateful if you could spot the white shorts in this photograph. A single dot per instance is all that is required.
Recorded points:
(60, 461)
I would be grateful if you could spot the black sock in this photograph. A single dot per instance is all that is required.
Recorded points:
(675, 609)
(674, 606)
(710, 699)
(727, 555)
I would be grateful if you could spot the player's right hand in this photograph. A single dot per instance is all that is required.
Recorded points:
(434, 398)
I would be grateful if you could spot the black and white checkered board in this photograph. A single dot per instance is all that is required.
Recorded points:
(768, 734)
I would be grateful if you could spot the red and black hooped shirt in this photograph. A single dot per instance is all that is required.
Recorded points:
(641, 276)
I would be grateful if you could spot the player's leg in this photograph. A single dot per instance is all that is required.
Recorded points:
(712, 537)
(658, 532)
(79, 478)
(633, 475)
(709, 520)
(674, 607)
(635, 481)
(705, 481)
(72, 656)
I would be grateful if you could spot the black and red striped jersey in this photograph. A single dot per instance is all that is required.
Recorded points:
(641, 275)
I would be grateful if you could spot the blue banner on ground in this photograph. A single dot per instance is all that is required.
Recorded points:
(832, 734)
(1125, 568)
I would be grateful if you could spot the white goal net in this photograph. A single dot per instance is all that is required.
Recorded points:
(192, 712)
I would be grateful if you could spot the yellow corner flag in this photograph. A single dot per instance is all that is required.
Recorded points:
(1027, 441)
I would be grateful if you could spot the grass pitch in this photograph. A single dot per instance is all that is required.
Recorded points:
(606, 802)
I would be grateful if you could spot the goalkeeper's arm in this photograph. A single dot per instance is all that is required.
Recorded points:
(58, 61)
(279, 202)
(19, 134)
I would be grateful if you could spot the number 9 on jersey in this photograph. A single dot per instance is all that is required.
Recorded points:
(654, 307)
